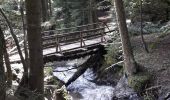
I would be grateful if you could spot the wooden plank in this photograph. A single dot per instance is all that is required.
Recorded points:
(49, 43)
(77, 48)
(72, 41)
(49, 37)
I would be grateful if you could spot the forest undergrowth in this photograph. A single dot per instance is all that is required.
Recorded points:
(157, 61)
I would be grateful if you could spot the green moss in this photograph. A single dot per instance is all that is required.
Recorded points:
(113, 53)
(48, 71)
(139, 80)
(163, 35)
(53, 81)
(153, 45)
(66, 94)
(63, 94)
(148, 97)
(121, 71)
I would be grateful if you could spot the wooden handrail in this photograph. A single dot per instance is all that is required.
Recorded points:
(78, 32)
(53, 37)
(71, 33)
(74, 27)
(58, 40)
(47, 38)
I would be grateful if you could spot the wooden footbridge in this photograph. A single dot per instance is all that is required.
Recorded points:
(74, 42)
(64, 39)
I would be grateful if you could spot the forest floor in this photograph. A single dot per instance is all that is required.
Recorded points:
(157, 61)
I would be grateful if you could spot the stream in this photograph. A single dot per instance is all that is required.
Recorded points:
(84, 88)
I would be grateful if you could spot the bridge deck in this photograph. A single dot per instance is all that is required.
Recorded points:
(73, 46)
(65, 48)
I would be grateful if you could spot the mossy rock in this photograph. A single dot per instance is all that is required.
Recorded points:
(52, 80)
(139, 80)
(62, 94)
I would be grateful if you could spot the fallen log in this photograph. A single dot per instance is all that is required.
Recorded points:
(92, 61)
(113, 65)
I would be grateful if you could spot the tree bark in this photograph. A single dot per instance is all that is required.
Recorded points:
(50, 8)
(44, 5)
(36, 76)
(141, 31)
(25, 74)
(2, 73)
(25, 34)
(24, 80)
(90, 14)
(129, 61)
(7, 62)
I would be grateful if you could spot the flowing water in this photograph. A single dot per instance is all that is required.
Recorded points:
(84, 88)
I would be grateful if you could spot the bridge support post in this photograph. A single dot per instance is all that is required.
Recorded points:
(57, 44)
(102, 36)
(81, 41)
(58, 47)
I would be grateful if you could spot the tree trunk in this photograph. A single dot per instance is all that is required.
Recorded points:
(25, 74)
(129, 61)
(141, 31)
(90, 15)
(50, 8)
(24, 81)
(2, 73)
(90, 12)
(91, 62)
(36, 76)
(7, 62)
(24, 31)
(16, 41)
(44, 5)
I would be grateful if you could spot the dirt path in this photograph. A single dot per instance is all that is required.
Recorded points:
(157, 61)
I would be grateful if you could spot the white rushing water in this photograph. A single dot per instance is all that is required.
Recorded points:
(83, 88)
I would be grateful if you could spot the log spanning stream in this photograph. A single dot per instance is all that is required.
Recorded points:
(83, 88)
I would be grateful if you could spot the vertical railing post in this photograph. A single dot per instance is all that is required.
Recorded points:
(102, 35)
(57, 43)
(81, 41)
(58, 47)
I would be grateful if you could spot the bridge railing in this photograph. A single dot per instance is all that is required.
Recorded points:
(72, 29)
(58, 39)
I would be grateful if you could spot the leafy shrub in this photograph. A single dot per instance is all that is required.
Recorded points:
(112, 53)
